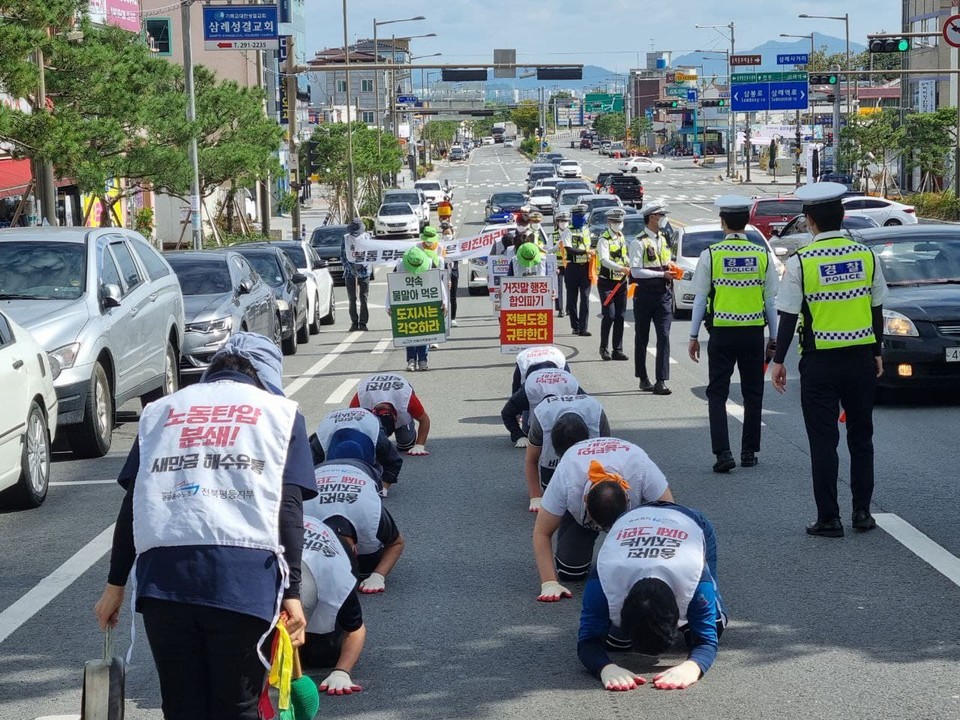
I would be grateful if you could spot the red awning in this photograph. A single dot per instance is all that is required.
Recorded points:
(14, 177)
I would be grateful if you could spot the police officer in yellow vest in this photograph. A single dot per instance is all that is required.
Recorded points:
(735, 285)
(835, 288)
(653, 299)
(576, 255)
(612, 284)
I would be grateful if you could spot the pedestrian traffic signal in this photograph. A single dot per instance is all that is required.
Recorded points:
(667, 104)
(889, 45)
(825, 79)
(715, 102)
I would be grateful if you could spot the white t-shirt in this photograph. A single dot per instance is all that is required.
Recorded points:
(328, 562)
(543, 383)
(551, 408)
(390, 388)
(537, 355)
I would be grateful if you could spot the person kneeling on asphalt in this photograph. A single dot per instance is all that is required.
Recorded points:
(595, 482)
(335, 629)
(538, 386)
(655, 579)
(346, 487)
(392, 399)
(559, 422)
(538, 357)
(344, 425)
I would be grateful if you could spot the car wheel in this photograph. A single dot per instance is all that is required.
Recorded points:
(92, 438)
(316, 321)
(171, 378)
(289, 344)
(277, 332)
(891, 222)
(303, 331)
(31, 490)
(658, 169)
(634, 169)
(331, 317)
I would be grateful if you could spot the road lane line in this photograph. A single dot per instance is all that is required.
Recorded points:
(653, 351)
(920, 545)
(736, 411)
(340, 394)
(381, 346)
(53, 584)
(71, 483)
(321, 364)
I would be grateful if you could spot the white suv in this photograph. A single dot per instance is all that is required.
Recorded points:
(433, 191)
(415, 198)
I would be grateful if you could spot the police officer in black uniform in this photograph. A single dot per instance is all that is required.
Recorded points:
(576, 255)
(612, 284)
(834, 286)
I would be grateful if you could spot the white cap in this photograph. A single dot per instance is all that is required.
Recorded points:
(654, 207)
(733, 203)
(820, 193)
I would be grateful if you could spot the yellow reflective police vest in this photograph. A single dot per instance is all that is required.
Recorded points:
(579, 251)
(837, 275)
(738, 268)
(618, 254)
(654, 257)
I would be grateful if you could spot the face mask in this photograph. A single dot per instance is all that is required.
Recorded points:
(616, 226)
(662, 223)
(447, 235)
(534, 226)
(563, 225)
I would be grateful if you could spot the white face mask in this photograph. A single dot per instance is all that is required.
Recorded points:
(662, 222)
(563, 224)
(616, 226)
(535, 226)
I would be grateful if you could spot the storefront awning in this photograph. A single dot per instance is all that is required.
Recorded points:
(15, 177)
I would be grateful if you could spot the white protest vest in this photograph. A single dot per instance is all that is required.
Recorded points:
(390, 388)
(543, 383)
(552, 408)
(348, 491)
(518, 270)
(651, 542)
(211, 468)
(328, 562)
(359, 419)
(537, 355)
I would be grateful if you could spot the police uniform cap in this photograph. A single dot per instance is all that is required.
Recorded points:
(536, 216)
(652, 208)
(578, 210)
(562, 216)
(733, 203)
(820, 193)
(528, 254)
(415, 261)
(617, 214)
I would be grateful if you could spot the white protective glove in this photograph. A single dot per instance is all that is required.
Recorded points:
(552, 591)
(535, 504)
(339, 683)
(615, 677)
(418, 450)
(376, 583)
(521, 443)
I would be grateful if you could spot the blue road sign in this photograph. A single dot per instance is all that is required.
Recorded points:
(240, 27)
(788, 96)
(692, 95)
(406, 99)
(750, 97)
(793, 59)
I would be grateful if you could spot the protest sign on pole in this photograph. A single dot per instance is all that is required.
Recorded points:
(498, 267)
(416, 308)
(526, 313)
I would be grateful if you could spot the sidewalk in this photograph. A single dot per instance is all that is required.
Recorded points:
(312, 214)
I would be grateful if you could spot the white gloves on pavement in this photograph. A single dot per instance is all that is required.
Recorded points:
(521, 443)
(552, 591)
(376, 583)
(535, 504)
(615, 677)
(418, 450)
(339, 683)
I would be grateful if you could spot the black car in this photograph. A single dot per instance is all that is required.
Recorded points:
(602, 179)
(786, 240)
(921, 339)
(627, 187)
(633, 224)
(327, 240)
(502, 205)
(279, 272)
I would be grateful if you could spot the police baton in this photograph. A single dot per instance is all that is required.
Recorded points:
(613, 292)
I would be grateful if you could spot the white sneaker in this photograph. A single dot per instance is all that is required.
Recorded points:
(434, 346)
(412, 366)
(383, 492)
(453, 323)
(423, 365)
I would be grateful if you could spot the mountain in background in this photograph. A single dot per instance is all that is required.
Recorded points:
(592, 77)
(717, 65)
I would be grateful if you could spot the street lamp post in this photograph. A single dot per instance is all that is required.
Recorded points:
(726, 55)
(376, 75)
(799, 137)
(846, 21)
(351, 209)
(732, 124)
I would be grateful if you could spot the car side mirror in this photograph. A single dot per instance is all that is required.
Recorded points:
(319, 264)
(774, 232)
(299, 278)
(245, 287)
(781, 251)
(110, 295)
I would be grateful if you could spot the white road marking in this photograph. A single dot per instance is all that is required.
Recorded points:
(343, 389)
(381, 346)
(53, 584)
(70, 483)
(321, 364)
(653, 351)
(736, 411)
(920, 545)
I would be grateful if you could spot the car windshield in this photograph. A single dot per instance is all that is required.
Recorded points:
(409, 198)
(858, 222)
(507, 198)
(429, 186)
(571, 196)
(42, 270)
(268, 267)
(632, 226)
(600, 202)
(295, 252)
(779, 207)
(327, 236)
(569, 162)
(919, 261)
(695, 243)
(201, 277)
(395, 209)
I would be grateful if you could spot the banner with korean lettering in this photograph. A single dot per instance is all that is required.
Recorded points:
(416, 308)
(526, 313)
(367, 249)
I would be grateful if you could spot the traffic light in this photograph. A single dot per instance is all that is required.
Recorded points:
(666, 104)
(889, 45)
(715, 102)
(824, 79)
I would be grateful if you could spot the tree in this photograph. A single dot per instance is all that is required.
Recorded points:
(640, 127)
(928, 139)
(526, 116)
(440, 132)
(611, 125)
(870, 138)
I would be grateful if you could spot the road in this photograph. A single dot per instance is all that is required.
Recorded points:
(853, 628)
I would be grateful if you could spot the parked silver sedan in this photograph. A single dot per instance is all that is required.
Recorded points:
(108, 308)
(222, 295)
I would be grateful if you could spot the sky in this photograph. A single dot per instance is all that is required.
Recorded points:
(612, 34)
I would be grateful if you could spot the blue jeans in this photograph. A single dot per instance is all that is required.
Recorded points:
(417, 352)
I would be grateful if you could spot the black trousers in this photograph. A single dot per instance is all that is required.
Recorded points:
(655, 307)
(454, 284)
(612, 312)
(743, 348)
(829, 380)
(558, 304)
(206, 660)
(574, 553)
(357, 289)
(577, 280)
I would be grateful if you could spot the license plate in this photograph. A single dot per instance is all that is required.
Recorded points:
(952, 354)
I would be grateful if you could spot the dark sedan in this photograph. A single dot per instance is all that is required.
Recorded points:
(279, 272)
(502, 206)
(921, 340)
(633, 224)
(794, 235)
(327, 240)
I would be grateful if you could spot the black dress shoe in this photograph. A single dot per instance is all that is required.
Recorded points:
(618, 355)
(560, 314)
(363, 327)
(748, 459)
(725, 462)
(830, 528)
(354, 327)
(661, 389)
(863, 520)
(646, 385)
(585, 333)
(604, 354)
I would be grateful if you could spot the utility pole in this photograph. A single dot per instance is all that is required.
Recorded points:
(836, 123)
(43, 169)
(796, 152)
(746, 140)
(293, 157)
(195, 218)
(263, 186)
(351, 209)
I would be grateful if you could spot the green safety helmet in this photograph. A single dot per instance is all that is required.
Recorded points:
(529, 255)
(429, 235)
(416, 261)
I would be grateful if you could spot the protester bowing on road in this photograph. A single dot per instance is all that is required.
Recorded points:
(393, 400)
(538, 386)
(346, 424)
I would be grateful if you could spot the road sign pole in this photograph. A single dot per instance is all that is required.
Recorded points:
(293, 158)
(195, 219)
(796, 152)
(749, 148)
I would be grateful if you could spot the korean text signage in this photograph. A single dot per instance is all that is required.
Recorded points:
(741, 60)
(526, 313)
(793, 59)
(416, 308)
(760, 92)
(240, 27)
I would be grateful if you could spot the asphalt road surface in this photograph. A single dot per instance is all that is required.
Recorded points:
(855, 628)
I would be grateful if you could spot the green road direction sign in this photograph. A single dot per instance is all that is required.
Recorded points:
(677, 91)
(740, 78)
(602, 102)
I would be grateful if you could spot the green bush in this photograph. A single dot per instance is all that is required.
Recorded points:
(209, 242)
(940, 206)
(530, 146)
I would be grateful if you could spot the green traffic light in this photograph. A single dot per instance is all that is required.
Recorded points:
(675, 103)
(832, 80)
(903, 45)
(721, 103)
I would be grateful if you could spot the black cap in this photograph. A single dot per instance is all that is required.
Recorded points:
(356, 227)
